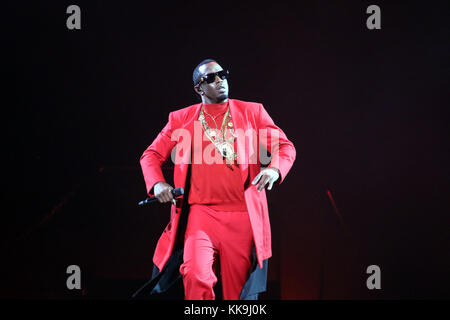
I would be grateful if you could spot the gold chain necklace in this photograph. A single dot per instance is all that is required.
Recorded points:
(224, 145)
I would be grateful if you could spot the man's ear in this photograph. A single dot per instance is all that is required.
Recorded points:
(198, 90)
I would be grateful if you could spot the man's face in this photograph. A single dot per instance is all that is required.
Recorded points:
(216, 91)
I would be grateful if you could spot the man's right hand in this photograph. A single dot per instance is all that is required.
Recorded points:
(163, 192)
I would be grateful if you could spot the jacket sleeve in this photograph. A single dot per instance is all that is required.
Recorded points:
(156, 154)
(276, 142)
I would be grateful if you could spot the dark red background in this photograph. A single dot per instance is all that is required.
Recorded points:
(366, 110)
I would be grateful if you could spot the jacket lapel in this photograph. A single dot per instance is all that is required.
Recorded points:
(182, 165)
(240, 126)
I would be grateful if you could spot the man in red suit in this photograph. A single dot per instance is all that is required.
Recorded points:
(221, 222)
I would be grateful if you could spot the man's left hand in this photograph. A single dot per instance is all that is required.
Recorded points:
(267, 175)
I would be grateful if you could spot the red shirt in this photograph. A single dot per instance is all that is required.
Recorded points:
(216, 185)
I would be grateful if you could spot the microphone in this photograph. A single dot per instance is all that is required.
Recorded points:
(175, 192)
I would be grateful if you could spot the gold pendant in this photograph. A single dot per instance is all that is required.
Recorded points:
(212, 133)
(226, 150)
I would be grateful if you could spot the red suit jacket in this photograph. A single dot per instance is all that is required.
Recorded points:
(245, 115)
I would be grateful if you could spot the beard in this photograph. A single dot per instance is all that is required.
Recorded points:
(222, 97)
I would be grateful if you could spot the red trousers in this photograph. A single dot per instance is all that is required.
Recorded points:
(216, 237)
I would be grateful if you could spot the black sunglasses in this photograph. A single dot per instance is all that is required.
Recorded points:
(211, 77)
